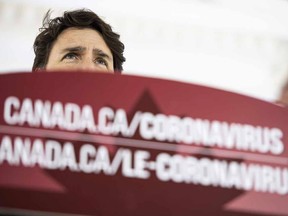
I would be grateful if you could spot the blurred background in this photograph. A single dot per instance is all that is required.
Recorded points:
(235, 45)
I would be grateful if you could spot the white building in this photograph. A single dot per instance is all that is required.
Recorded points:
(236, 45)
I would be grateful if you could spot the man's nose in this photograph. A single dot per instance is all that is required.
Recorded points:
(87, 64)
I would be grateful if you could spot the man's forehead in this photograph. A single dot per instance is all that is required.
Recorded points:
(72, 36)
(81, 39)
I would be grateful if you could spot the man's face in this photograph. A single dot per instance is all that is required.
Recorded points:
(80, 49)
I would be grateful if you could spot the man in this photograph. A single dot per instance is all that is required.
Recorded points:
(79, 40)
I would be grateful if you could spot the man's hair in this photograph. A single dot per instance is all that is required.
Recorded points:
(83, 18)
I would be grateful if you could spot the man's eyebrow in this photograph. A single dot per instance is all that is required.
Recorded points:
(73, 49)
(101, 53)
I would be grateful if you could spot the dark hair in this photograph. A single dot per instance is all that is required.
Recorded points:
(82, 18)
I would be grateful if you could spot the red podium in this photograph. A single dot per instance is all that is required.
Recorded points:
(101, 144)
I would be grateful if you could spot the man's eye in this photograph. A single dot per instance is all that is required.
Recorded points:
(71, 56)
(101, 61)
